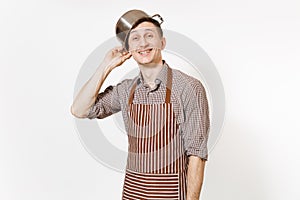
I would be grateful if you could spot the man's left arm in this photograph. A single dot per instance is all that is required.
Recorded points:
(195, 176)
(195, 130)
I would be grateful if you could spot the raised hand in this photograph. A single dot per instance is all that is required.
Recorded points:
(116, 57)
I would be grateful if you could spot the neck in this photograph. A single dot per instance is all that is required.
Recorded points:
(151, 71)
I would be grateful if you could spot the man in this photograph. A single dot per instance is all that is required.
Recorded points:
(165, 113)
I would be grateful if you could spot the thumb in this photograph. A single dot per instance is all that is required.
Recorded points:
(127, 56)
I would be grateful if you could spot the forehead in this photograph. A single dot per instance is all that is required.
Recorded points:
(144, 26)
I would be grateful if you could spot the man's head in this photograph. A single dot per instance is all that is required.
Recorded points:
(145, 43)
(141, 35)
(130, 20)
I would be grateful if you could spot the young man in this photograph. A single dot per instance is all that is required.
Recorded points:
(165, 113)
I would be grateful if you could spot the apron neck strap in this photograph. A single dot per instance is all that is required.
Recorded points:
(168, 88)
(131, 94)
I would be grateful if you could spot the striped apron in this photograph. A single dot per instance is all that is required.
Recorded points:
(156, 163)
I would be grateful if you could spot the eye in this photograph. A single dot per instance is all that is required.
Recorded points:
(149, 35)
(134, 38)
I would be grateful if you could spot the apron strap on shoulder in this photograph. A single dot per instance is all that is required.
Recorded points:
(131, 94)
(169, 86)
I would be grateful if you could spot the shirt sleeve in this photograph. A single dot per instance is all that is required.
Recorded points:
(106, 104)
(195, 127)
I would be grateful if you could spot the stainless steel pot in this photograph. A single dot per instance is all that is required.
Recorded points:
(128, 20)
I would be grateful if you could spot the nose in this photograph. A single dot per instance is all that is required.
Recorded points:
(143, 42)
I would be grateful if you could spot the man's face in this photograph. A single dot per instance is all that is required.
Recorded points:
(145, 44)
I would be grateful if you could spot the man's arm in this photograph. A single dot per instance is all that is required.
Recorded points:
(88, 93)
(195, 176)
(195, 130)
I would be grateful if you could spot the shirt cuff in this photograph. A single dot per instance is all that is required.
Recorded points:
(91, 115)
(201, 153)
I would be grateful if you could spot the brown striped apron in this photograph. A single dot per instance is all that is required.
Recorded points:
(156, 163)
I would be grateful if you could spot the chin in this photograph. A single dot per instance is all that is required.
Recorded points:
(143, 60)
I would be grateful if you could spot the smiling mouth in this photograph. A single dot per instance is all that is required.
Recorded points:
(145, 52)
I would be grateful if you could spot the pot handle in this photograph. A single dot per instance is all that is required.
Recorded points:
(160, 18)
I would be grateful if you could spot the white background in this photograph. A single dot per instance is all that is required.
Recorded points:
(254, 44)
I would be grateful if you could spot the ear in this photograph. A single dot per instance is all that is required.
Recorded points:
(163, 43)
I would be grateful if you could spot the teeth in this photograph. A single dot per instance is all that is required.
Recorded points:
(144, 52)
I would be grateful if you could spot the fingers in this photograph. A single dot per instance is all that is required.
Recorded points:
(120, 54)
(118, 49)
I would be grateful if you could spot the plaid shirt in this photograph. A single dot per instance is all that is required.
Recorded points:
(188, 98)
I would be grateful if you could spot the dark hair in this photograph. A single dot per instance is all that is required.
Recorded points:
(145, 19)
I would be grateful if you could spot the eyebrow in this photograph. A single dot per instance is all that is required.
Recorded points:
(148, 29)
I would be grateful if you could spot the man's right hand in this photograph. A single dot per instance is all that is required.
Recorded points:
(116, 57)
